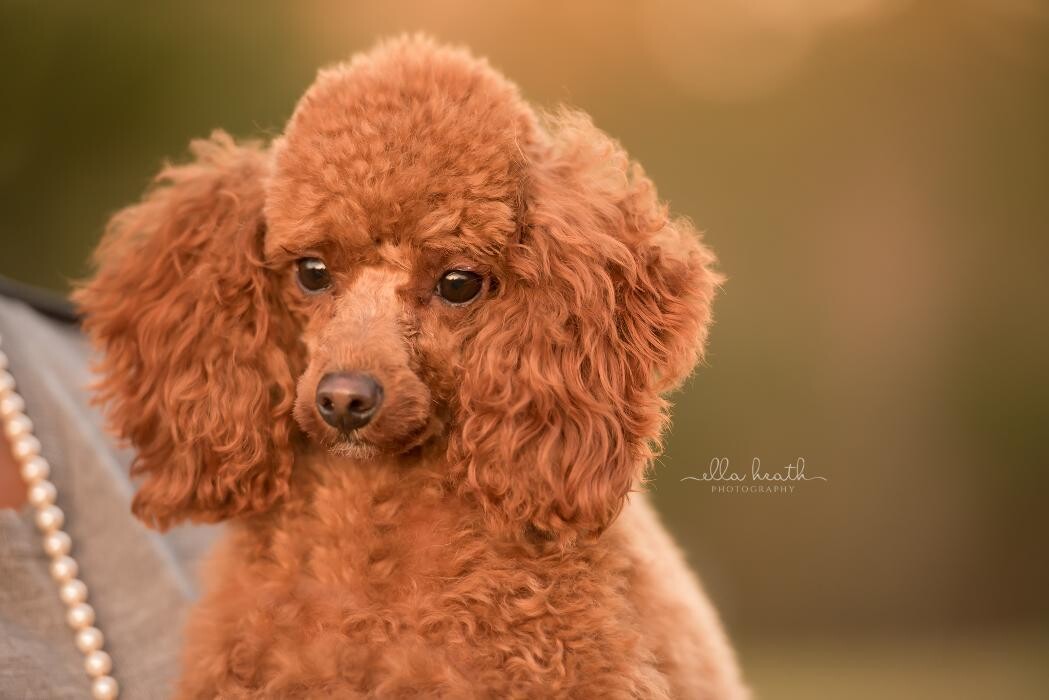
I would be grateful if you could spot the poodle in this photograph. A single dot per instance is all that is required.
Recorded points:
(415, 351)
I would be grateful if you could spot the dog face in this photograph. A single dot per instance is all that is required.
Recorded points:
(419, 261)
(387, 212)
(380, 329)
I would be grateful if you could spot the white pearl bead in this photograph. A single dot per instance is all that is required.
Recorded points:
(73, 591)
(35, 469)
(50, 518)
(89, 639)
(25, 448)
(57, 543)
(3, 360)
(105, 688)
(64, 569)
(80, 616)
(11, 405)
(42, 494)
(7, 382)
(98, 663)
(17, 426)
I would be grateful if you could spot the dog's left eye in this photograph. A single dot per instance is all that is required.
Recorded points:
(459, 286)
(313, 275)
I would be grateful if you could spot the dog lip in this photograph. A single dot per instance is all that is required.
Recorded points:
(352, 448)
(349, 439)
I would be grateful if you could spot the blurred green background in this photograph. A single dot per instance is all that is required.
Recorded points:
(874, 176)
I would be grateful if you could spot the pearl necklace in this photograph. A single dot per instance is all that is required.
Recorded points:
(49, 518)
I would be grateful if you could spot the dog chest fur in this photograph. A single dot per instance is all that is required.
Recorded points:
(380, 580)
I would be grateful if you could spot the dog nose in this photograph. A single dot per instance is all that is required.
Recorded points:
(348, 400)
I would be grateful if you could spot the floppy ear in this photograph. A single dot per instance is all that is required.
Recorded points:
(604, 306)
(194, 354)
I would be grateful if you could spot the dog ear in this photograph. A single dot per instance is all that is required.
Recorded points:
(605, 307)
(194, 352)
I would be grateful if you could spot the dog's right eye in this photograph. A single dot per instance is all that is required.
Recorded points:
(313, 275)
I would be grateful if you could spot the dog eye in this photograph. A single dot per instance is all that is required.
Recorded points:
(313, 275)
(459, 286)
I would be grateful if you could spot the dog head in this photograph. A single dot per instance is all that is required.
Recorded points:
(418, 263)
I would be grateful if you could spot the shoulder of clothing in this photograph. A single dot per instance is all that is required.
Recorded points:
(44, 302)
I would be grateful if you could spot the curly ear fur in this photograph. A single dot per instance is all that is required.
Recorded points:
(194, 358)
(606, 306)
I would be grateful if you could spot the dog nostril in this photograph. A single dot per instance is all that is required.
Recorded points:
(348, 400)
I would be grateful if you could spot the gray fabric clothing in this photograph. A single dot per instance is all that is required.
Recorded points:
(140, 583)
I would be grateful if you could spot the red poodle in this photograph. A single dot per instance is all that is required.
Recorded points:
(414, 351)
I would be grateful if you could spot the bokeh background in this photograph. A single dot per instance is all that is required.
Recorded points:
(874, 175)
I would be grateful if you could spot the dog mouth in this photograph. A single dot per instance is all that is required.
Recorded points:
(358, 444)
(351, 445)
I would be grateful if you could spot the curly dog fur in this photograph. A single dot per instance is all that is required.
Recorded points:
(484, 536)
